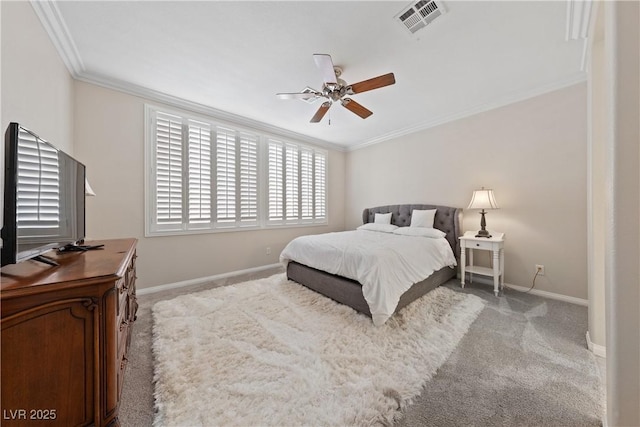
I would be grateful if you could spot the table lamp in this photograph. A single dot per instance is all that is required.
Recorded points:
(483, 199)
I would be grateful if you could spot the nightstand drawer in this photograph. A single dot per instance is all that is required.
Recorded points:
(474, 244)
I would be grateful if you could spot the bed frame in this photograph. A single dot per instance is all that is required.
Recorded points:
(349, 292)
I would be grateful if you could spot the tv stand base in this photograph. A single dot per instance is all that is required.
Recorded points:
(79, 248)
(45, 260)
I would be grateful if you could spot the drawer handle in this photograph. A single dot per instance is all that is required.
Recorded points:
(477, 244)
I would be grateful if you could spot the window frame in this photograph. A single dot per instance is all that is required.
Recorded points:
(286, 220)
(153, 228)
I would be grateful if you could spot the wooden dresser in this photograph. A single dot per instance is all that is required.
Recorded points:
(65, 335)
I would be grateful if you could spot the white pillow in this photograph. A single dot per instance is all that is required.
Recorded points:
(423, 218)
(382, 218)
(385, 228)
(433, 233)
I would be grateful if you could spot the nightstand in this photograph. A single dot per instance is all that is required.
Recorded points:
(495, 244)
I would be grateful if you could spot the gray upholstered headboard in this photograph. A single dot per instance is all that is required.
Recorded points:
(447, 219)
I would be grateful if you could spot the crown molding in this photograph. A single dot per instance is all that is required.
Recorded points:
(195, 107)
(447, 118)
(56, 29)
(58, 32)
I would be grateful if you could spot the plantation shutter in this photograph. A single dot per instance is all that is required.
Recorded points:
(320, 186)
(38, 199)
(297, 184)
(248, 178)
(199, 175)
(168, 155)
(206, 175)
(291, 181)
(225, 174)
(306, 184)
(276, 181)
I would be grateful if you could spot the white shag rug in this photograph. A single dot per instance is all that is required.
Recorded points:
(272, 352)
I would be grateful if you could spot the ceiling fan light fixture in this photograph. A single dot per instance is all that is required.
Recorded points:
(334, 89)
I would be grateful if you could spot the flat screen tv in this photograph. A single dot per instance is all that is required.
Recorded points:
(44, 198)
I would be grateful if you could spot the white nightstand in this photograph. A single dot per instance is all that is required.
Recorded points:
(495, 244)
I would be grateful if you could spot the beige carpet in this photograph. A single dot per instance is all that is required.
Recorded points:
(271, 352)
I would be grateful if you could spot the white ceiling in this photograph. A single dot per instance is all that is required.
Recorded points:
(235, 56)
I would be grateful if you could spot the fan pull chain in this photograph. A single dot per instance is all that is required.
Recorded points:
(329, 118)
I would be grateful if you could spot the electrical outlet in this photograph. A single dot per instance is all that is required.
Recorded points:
(268, 250)
(540, 269)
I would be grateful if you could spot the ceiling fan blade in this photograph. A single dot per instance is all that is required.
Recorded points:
(298, 95)
(321, 112)
(374, 83)
(325, 64)
(354, 107)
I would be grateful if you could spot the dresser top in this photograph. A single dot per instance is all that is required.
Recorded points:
(74, 267)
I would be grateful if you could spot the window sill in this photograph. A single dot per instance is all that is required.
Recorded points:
(165, 233)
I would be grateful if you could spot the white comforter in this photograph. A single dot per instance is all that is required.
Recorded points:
(385, 264)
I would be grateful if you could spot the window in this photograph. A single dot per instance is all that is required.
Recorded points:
(236, 177)
(206, 175)
(297, 176)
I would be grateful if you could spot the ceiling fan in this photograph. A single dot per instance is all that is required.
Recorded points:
(334, 89)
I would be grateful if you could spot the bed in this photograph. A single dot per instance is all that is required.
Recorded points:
(349, 291)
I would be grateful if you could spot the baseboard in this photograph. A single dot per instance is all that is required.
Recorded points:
(598, 350)
(479, 279)
(551, 295)
(201, 280)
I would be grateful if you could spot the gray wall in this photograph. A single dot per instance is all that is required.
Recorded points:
(532, 153)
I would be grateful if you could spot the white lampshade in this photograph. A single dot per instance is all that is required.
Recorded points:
(483, 199)
(88, 191)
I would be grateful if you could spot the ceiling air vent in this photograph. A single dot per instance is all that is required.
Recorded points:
(418, 15)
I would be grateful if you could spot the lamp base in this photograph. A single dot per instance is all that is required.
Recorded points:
(483, 233)
(483, 224)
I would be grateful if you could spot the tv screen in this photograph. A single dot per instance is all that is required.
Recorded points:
(44, 197)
